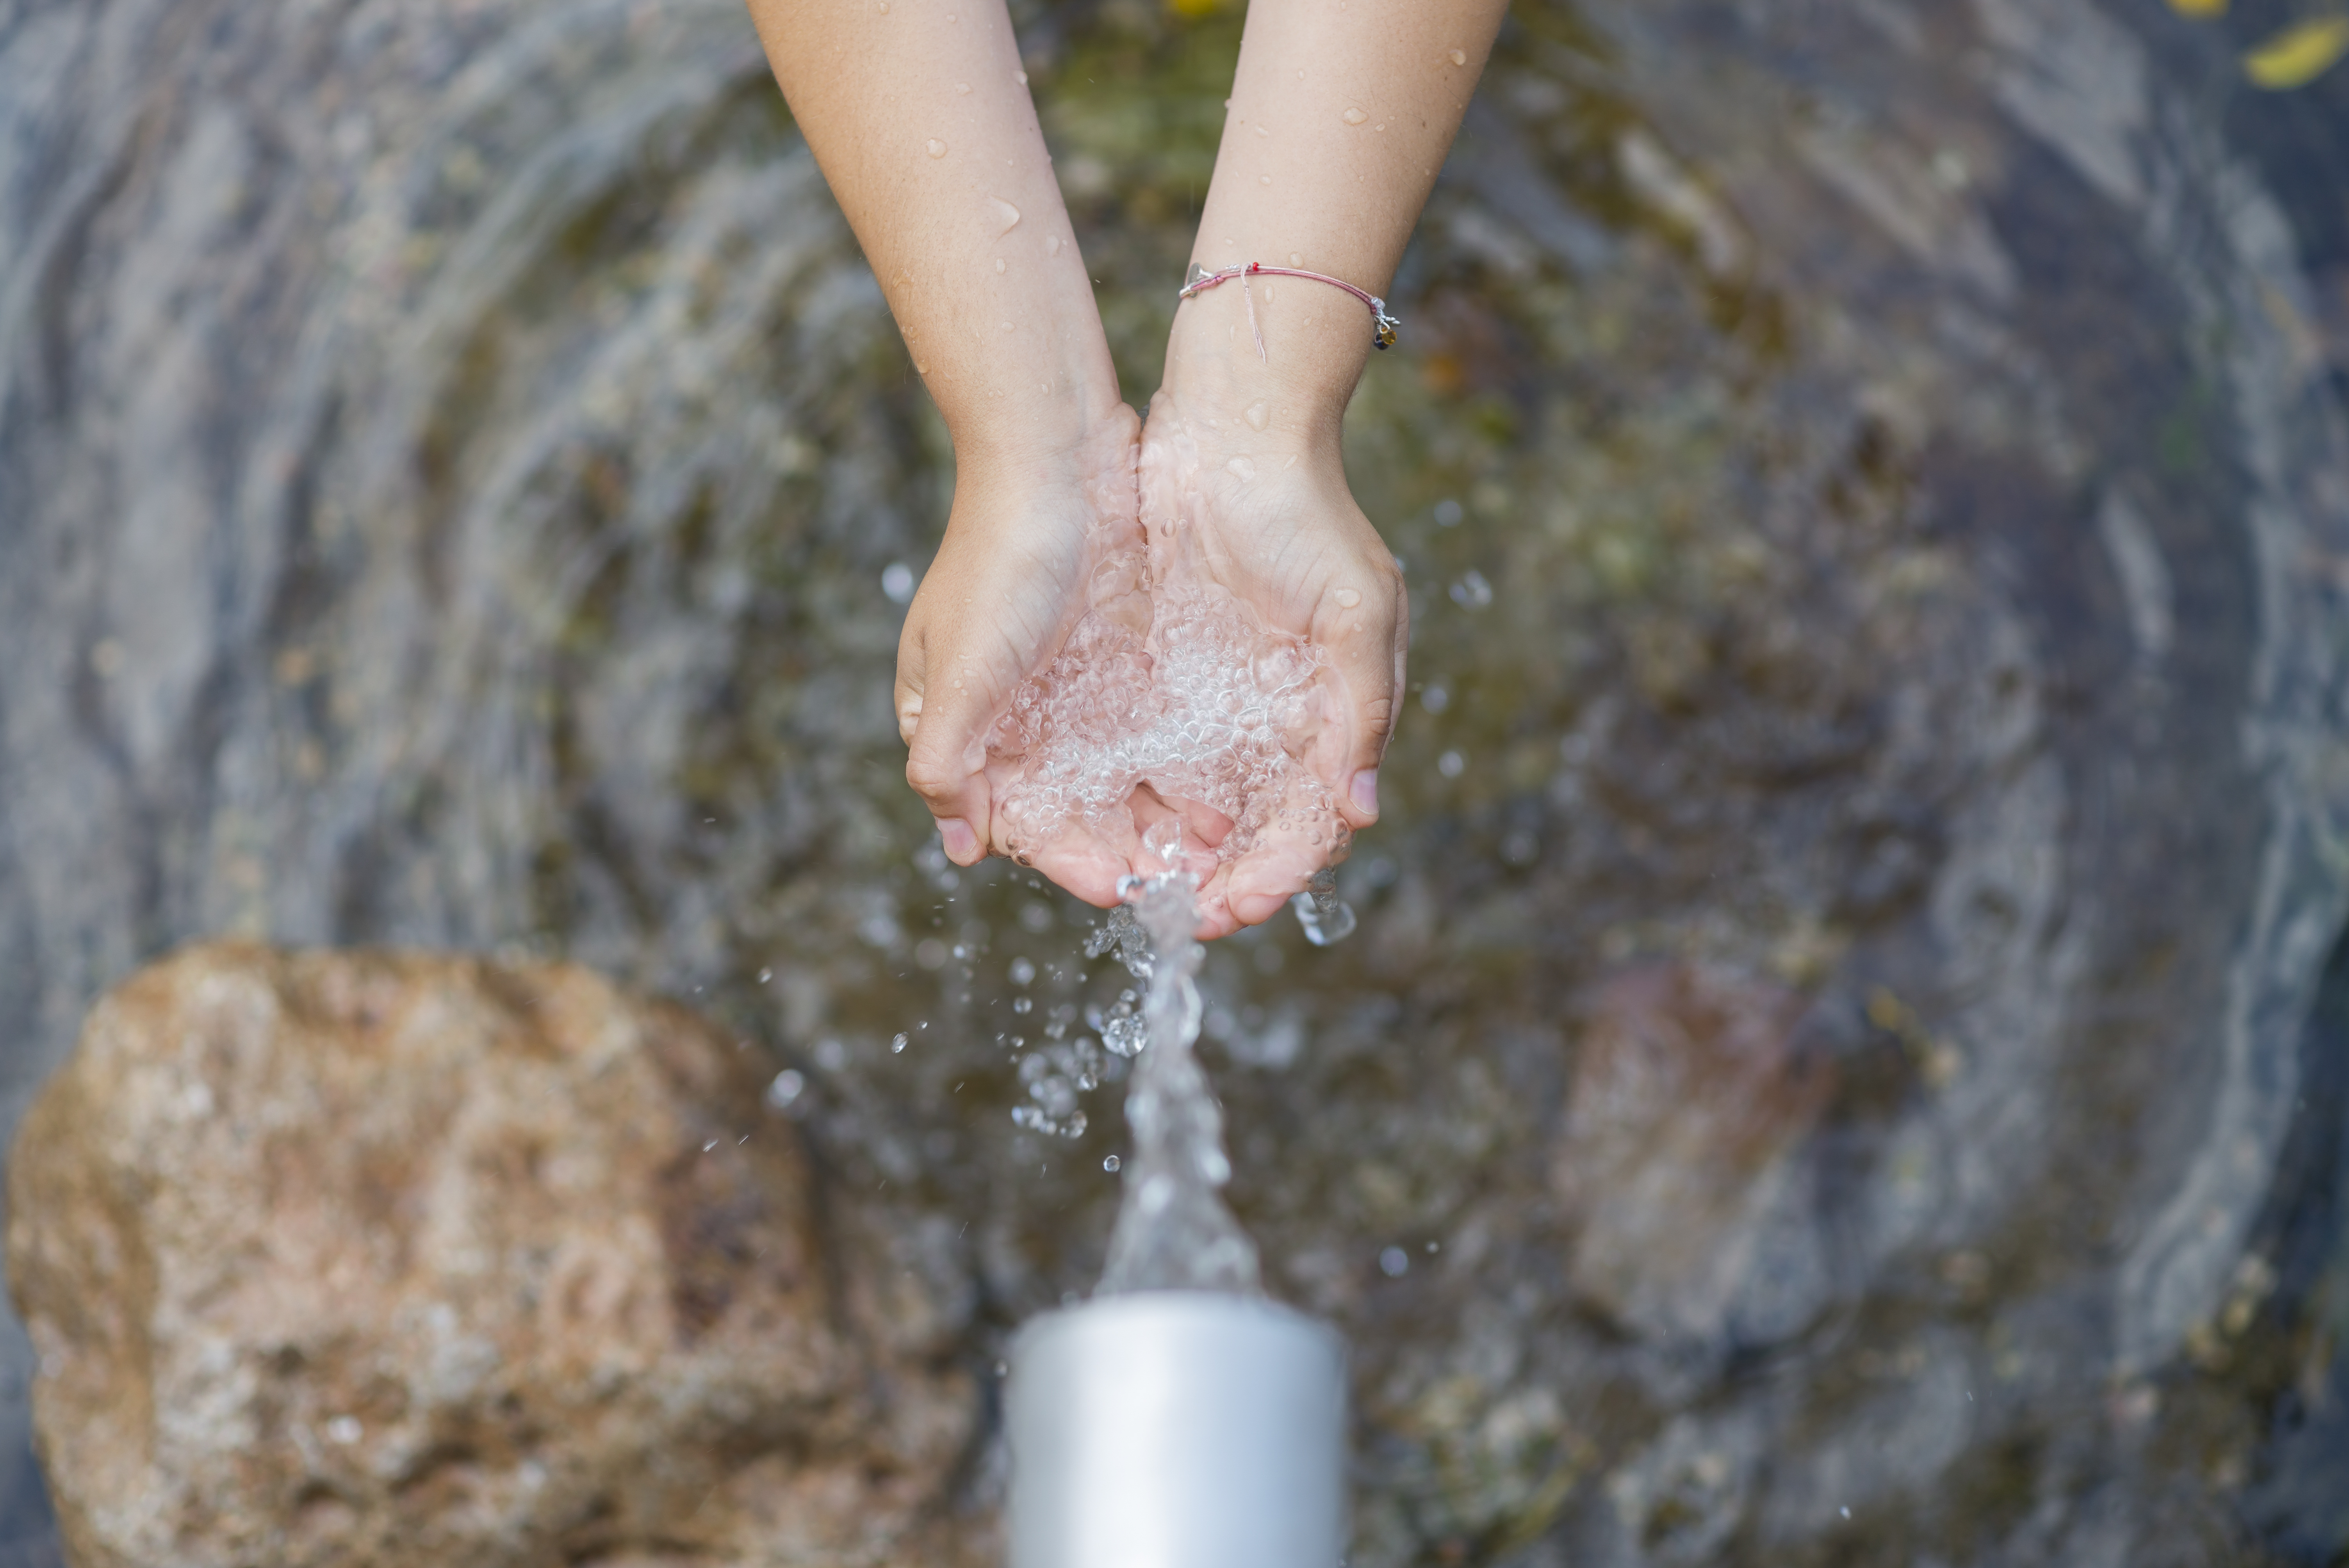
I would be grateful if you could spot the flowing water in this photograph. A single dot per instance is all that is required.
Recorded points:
(1842, 1057)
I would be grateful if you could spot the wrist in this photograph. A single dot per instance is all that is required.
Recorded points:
(1315, 342)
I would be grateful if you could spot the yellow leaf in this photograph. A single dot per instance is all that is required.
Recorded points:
(2199, 8)
(2298, 53)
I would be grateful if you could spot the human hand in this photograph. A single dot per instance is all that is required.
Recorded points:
(1010, 581)
(1234, 495)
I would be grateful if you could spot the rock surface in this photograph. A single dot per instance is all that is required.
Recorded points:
(394, 1259)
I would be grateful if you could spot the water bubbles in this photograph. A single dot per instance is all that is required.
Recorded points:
(1110, 1164)
(1259, 415)
(1353, 117)
(1459, 56)
(1164, 840)
(1007, 216)
(789, 1085)
(898, 1045)
(1326, 922)
(1452, 765)
(1447, 513)
(934, 146)
(1471, 591)
(898, 583)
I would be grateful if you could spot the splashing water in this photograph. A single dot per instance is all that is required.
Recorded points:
(1172, 1232)
(1173, 684)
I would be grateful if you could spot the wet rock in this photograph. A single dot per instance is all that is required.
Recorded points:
(380, 1259)
(1689, 1108)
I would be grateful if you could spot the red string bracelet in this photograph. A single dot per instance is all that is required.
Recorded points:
(1383, 327)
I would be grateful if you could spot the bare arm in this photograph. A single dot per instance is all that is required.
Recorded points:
(919, 115)
(1342, 113)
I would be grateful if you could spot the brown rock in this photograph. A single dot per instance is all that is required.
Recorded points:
(384, 1259)
(1688, 1101)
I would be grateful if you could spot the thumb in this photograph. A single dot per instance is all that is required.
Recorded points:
(1368, 664)
(944, 731)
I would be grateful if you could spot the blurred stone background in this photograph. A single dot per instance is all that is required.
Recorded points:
(1845, 1056)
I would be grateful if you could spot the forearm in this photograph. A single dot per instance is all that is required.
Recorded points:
(1342, 113)
(919, 116)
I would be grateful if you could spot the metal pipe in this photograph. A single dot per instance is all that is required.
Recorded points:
(1177, 1429)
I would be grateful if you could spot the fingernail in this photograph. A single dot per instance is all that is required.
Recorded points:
(1366, 791)
(961, 843)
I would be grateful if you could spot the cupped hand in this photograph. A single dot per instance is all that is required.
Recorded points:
(1260, 506)
(1010, 581)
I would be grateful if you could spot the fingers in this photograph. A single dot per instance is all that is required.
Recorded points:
(945, 740)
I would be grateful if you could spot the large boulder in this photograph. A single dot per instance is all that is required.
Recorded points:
(387, 1258)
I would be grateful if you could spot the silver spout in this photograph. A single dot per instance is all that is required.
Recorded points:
(1177, 1429)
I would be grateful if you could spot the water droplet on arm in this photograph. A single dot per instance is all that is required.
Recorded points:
(1007, 216)
(935, 147)
(1259, 415)
(1459, 56)
(961, 87)
(1347, 598)
(1052, 245)
(999, 264)
(1353, 117)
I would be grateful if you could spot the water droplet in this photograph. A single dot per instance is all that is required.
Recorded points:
(1022, 972)
(1394, 1263)
(1452, 765)
(1260, 129)
(1263, 179)
(1007, 216)
(1845, 1512)
(765, 975)
(1295, 260)
(708, 1146)
(1347, 598)
(998, 264)
(961, 87)
(1019, 77)
(1052, 245)
(897, 585)
(885, 7)
(1459, 56)
(1353, 117)
(920, 368)
(1259, 415)
(789, 1085)
(1241, 467)
(897, 1044)
(1110, 1164)
(935, 147)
